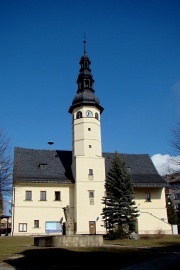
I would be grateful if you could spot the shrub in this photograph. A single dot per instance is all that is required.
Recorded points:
(118, 233)
(159, 234)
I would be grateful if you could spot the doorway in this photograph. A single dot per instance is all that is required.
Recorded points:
(92, 227)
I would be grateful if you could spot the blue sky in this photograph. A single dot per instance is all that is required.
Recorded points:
(134, 48)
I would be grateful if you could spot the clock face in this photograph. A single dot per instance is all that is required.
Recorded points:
(89, 113)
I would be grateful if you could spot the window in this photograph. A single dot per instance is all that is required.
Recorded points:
(177, 196)
(148, 197)
(79, 115)
(91, 201)
(28, 195)
(177, 206)
(36, 223)
(86, 83)
(89, 129)
(91, 194)
(96, 116)
(42, 166)
(89, 146)
(91, 197)
(90, 171)
(22, 227)
(42, 195)
(57, 195)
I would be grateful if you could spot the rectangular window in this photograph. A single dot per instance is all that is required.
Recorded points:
(89, 146)
(28, 195)
(42, 166)
(42, 195)
(91, 197)
(57, 195)
(89, 129)
(91, 194)
(90, 171)
(177, 206)
(22, 227)
(177, 196)
(148, 197)
(36, 223)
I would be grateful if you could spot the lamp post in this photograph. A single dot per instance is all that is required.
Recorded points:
(50, 143)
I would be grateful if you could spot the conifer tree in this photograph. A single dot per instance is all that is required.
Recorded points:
(171, 213)
(119, 204)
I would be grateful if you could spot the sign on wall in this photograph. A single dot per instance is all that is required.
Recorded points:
(53, 227)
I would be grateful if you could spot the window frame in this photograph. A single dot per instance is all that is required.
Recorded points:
(91, 172)
(43, 197)
(148, 197)
(28, 195)
(36, 223)
(24, 227)
(57, 195)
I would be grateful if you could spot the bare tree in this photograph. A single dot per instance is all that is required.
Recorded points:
(5, 169)
(175, 144)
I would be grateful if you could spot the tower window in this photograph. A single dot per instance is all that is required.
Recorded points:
(90, 146)
(86, 83)
(90, 171)
(89, 129)
(79, 115)
(91, 197)
(96, 115)
(91, 193)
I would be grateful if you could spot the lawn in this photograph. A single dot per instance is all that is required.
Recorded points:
(19, 251)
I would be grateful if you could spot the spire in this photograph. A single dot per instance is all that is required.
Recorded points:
(84, 41)
(85, 93)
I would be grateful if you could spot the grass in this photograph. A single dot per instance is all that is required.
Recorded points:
(19, 251)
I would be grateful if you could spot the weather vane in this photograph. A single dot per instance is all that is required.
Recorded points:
(84, 42)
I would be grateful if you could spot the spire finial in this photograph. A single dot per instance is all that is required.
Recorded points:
(84, 43)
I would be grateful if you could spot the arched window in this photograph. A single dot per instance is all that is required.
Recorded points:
(86, 83)
(78, 115)
(96, 115)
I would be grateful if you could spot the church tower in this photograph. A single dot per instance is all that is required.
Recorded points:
(88, 165)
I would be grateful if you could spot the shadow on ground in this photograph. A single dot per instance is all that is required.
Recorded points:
(88, 258)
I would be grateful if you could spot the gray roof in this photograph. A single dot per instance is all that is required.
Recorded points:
(141, 167)
(54, 166)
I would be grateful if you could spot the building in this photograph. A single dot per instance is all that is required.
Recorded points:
(172, 190)
(45, 182)
(5, 225)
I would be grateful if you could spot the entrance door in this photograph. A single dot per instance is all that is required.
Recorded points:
(92, 227)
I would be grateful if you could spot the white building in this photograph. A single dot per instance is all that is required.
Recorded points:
(46, 181)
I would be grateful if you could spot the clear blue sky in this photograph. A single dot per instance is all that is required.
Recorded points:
(134, 48)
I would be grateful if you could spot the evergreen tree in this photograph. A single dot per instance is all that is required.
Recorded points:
(119, 204)
(172, 216)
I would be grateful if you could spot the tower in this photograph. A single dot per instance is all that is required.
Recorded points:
(88, 165)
